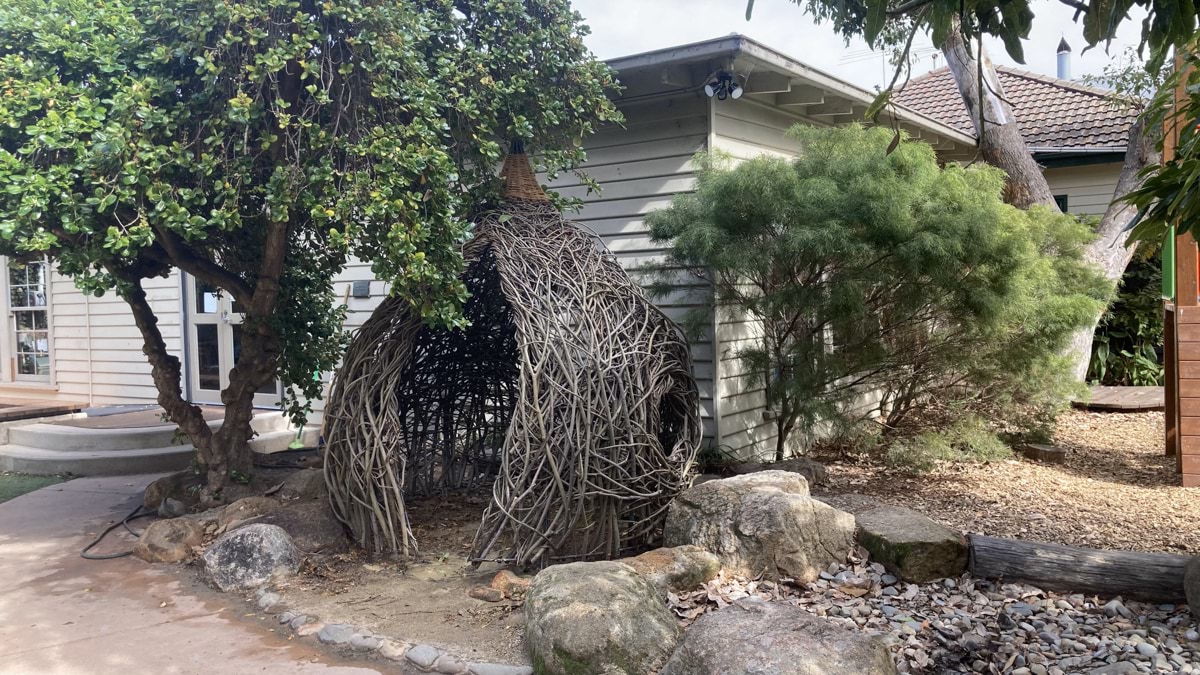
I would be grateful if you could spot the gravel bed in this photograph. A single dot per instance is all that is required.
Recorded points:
(1116, 490)
(969, 625)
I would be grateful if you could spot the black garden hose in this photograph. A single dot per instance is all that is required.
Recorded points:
(139, 512)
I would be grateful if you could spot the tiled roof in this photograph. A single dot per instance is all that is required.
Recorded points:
(1052, 113)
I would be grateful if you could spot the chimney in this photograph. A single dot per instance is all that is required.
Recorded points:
(1064, 60)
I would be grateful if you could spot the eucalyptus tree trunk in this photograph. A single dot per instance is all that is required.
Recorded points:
(1002, 146)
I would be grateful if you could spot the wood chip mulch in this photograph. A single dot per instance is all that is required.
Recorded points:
(1116, 490)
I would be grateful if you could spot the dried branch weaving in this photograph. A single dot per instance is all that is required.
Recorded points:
(571, 392)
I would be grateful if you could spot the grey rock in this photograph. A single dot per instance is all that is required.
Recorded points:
(423, 656)
(364, 643)
(1146, 649)
(172, 508)
(755, 636)
(311, 524)
(597, 617)
(298, 621)
(249, 557)
(169, 541)
(336, 634)
(909, 544)
(246, 509)
(761, 523)
(499, 669)
(286, 617)
(305, 484)
(183, 486)
(813, 471)
(680, 568)
(268, 600)
(1119, 668)
(450, 665)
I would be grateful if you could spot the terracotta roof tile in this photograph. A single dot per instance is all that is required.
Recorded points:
(1051, 112)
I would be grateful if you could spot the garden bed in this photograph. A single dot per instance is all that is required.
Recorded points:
(1116, 490)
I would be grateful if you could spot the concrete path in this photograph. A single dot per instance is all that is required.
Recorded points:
(63, 615)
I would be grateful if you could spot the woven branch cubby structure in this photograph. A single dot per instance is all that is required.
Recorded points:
(570, 392)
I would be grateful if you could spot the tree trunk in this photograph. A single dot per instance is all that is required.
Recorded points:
(1000, 140)
(1109, 251)
(167, 374)
(1002, 146)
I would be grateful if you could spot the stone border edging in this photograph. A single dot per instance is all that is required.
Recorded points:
(424, 657)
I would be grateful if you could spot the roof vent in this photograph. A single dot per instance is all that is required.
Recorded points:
(1064, 60)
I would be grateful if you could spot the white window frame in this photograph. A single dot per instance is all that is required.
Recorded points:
(8, 346)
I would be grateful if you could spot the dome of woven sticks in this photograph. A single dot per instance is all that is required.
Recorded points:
(570, 392)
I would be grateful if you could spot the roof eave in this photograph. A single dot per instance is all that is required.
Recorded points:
(733, 46)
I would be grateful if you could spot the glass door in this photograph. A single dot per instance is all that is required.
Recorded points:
(29, 328)
(214, 332)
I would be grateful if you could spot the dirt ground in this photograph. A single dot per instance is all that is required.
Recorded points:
(425, 600)
(1116, 490)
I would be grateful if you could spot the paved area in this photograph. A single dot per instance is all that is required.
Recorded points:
(63, 615)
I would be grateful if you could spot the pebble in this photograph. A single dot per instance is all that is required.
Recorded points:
(423, 656)
(365, 643)
(336, 633)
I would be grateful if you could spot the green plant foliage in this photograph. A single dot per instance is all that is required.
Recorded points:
(880, 272)
(1170, 191)
(138, 136)
(1127, 350)
(968, 440)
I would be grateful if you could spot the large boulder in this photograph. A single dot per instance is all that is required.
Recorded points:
(1191, 585)
(761, 523)
(910, 545)
(250, 557)
(305, 484)
(311, 525)
(680, 568)
(813, 471)
(246, 509)
(766, 638)
(597, 618)
(169, 541)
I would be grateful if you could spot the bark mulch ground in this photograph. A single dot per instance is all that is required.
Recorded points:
(1116, 490)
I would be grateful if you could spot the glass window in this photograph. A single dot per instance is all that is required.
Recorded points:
(28, 299)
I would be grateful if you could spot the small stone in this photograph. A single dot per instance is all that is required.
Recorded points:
(508, 583)
(423, 656)
(336, 633)
(1192, 635)
(269, 600)
(287, 617)
(888, 580)
(171, 508)
(365, 643)
(499, 669)
(393, 650)
(486, 593)
(448, 665)
(309, 628)
(298, 623)
(1146, 649)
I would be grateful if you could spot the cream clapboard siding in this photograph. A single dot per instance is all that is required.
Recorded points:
(744, 130)
(1089, 188)
(639, 168)
(96, 348)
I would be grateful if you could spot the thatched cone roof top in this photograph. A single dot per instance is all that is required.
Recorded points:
(520, 182)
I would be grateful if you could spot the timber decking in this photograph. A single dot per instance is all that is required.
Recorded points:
(1124, 399)
(22, 409)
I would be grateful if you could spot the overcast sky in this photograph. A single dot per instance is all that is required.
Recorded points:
(623, 27)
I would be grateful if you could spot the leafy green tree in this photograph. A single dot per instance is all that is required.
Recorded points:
(877, 272)
(257, 144)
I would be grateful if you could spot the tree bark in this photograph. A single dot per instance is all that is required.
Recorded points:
(1000, 140)
(1150, 576)
(167, 374)
(1109, 251)
(1002, 146)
